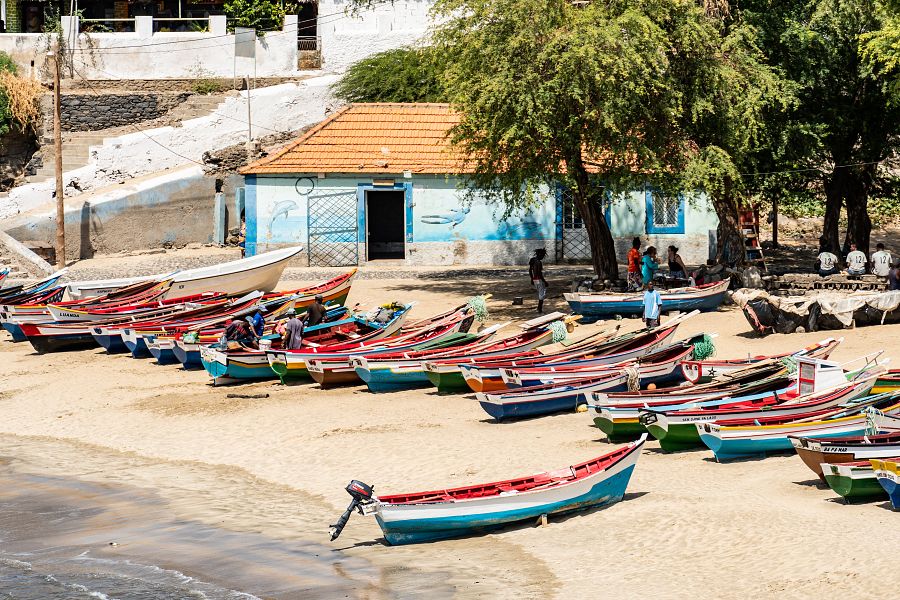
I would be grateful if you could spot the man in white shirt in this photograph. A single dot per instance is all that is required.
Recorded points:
(856, 261)
(652, 304)
(826, 263)
(881, 261)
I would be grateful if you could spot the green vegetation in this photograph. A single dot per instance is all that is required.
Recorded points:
(401, 75)
(6, 117)
(261, 15)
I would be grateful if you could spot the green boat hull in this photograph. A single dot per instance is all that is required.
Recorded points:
(621, 431)
(449, 382)
(855, 488)
(677, 437)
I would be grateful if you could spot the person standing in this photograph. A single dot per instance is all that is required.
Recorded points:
(315, 313)
(649, 266)
(259, 321)
(826, 263)
(634, 266)
(652, 305)
(881, 261)
(856, 261)
(292, 331)
(676, 265)
(536, 273)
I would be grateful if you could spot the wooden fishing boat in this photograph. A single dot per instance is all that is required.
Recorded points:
(261, 272)
(455, 512)
(741, 438)
(229, 366)
(888, 382)
(487, 375)
(854, 481)
(887, 472)
(702, 371)
(32, 310)
(814, 452)
(676, 428)
(593, 306)
(657, 367)
(9, 294)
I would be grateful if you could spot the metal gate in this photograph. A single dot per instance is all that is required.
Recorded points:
(333, 229)
(576, 246)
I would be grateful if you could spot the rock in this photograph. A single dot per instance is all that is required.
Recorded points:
(193, 246)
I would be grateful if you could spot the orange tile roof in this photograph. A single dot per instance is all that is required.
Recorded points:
(372, 138)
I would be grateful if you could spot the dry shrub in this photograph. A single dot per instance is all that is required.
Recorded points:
(23, 96)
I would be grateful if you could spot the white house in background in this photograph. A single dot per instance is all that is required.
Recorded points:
(183, 41)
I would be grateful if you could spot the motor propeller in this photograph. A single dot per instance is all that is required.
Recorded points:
(362, 495)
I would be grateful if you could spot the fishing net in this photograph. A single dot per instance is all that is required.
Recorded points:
(872, 415)
(191, 338)
(559, 331)
(790, 363)
(634, 379)
(478, 304)
(703, 348)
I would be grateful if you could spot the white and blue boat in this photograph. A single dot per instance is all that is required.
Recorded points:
(455, 512)
(594, 306)
(547, 399)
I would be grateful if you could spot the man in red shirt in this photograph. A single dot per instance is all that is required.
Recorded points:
(635, 282)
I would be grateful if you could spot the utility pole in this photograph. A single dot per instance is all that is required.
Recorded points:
(249, 126)
(57, 143)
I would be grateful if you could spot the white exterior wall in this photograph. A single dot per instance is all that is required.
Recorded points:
(347, 38)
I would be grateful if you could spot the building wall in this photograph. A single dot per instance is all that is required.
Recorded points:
(440, 230)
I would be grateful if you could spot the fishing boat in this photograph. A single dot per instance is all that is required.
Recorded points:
(854, 481)
(814, 452)
(488, 375)
(701, 371)
(455, 512)
(888, 382)
(594, 306)
(226, 366)
(887, 472)
(742, 438)
(819, 385)
(261, 272)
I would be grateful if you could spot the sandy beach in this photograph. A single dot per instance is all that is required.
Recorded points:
(276, 467)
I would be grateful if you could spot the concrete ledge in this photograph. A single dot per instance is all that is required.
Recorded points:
(31, 262)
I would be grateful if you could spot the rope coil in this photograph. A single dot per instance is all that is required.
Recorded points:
(634, 379)
(703, 348)
(478, 304)
(559, 331)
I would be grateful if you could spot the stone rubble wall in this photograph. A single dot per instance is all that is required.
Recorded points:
(16, 150)
(92, 112)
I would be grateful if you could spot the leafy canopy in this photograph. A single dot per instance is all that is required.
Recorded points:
(400, 75)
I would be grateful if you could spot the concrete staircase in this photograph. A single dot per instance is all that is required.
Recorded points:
(8, 261)
(77, 145)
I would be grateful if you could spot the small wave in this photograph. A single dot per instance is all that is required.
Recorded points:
(12, 562)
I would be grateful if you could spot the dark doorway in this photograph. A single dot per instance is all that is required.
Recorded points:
(385, 224)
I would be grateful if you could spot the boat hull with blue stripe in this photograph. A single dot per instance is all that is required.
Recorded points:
(429, 516)
(600, 306)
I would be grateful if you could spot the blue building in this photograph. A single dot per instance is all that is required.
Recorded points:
(381, 182)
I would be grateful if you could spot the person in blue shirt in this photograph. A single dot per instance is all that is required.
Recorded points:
(649, 266)
(652, 304)
(259, 321)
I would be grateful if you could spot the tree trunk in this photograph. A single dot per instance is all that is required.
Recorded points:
(830, 238)
(856, 198)
(589, 203)
(729, 241)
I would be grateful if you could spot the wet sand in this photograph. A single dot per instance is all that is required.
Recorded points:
(688, 527)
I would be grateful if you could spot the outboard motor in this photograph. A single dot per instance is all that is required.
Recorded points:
(362, 495)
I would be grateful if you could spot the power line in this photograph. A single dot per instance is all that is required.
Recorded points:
(859, 164)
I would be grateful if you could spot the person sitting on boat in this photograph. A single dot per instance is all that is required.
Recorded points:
(881, 262)
(536, 274)
(238, 333)
(649, 266)
(652, 305)
(634, 266)
(315, 314)
(856, 261)
(894, 276)
(292, 331)
(826, 263)
(676, 265)
(259, 321)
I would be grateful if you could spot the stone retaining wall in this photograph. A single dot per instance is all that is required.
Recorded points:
(91, 112)
(15, 151)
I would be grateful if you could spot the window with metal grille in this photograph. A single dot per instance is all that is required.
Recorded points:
(665, 210)
(571, 218)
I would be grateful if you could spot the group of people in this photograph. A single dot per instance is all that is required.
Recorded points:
(245, 332)
(642, 268)
(880, 263)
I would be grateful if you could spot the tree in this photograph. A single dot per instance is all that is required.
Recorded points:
(6, 117)
(400, 75)
(600, 96)
(261, 15)
(843, 121)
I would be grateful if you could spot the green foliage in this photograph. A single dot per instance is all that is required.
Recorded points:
(6, 117)
(207, 86)
(881, 49)
(262, 15)
(400, 75)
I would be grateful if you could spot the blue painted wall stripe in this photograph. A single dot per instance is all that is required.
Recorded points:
(250, 214)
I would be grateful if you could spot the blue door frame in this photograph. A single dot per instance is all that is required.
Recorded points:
(361, 190)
